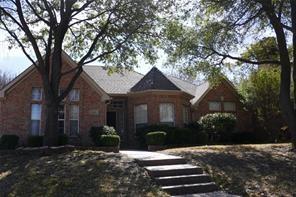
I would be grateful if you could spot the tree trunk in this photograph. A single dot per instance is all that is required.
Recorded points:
(286, 103)
(51, 124)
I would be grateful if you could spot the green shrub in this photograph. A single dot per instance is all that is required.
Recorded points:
(9, 141)
(202, 138)
(63, 139)
(250, 137)
(219, 125)
(96, 132)
(141, 133)
(35, 141)
(109, 140)
(156, 138)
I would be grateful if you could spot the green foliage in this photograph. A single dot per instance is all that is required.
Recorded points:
(190, 135)
(8, 141)
(35, 141)
(96, 132)
(63, 139)
(264, 49)
(141, 133)
(261, 96)
(219, 125)
(156, 138)
(109, 140)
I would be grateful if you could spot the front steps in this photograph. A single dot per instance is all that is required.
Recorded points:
(176, 177)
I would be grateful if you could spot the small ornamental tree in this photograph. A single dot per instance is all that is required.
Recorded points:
(112, 32)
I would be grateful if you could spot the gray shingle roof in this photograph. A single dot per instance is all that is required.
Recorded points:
(122, 83)
(116, 83)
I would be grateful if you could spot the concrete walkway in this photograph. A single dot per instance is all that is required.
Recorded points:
(175, 176)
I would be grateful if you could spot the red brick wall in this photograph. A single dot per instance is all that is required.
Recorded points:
(228, 93)
(15, 108)
(153, 99)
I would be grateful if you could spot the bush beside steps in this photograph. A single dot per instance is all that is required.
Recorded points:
(156, 140)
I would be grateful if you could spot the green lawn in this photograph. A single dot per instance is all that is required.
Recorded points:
(73, 173)
(248, 170)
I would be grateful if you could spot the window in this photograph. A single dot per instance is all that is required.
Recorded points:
(167, 114)
(214, 106)
(61, 119)
(36, 94)
(229, 106)
(74, 95)
(35, 119)
(140, 115)
(74, 120)
(186, 112)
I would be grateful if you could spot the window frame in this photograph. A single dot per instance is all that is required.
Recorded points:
(40, 118)
(215, 110)
(78, 121)
(229, 102)
(142, 123)
(174, 115)
(70, 97)
(64, 131)
(41, 94)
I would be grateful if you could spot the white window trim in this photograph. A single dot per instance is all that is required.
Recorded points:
(40, 132)
(78, 126)
(64, 118)
(174, 115)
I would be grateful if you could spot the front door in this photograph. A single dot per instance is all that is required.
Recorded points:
(111, 119)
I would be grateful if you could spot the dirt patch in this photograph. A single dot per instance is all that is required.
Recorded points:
(248, 170)
(74, 173)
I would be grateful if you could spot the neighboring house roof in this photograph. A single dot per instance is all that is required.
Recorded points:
(154, 80)
(115, 83)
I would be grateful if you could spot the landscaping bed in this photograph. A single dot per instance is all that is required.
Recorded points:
(247, 170)
(73, 173)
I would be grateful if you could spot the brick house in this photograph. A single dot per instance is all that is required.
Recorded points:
(126, 100)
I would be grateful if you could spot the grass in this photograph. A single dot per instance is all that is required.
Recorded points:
(247, 170)
(73, 173)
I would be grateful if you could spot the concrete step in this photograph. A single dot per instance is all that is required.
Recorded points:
(190, 188)
(161, 161)
(183, 179)
(173, 170)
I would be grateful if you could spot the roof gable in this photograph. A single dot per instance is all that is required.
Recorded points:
(154, 80)
(69, 60)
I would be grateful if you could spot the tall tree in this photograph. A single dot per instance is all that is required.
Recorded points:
(113, 32)
(220, 29)
(5, 78)
(261, 96)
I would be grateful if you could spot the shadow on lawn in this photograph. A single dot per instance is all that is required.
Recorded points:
(76, 173)
(249, 171)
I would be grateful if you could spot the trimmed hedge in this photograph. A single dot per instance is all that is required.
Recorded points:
(219, 126)
(190, 135)
(63, 139)
(156, 138)
(96, 132)
(35, 141)
(109, 140)
(9, 141)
